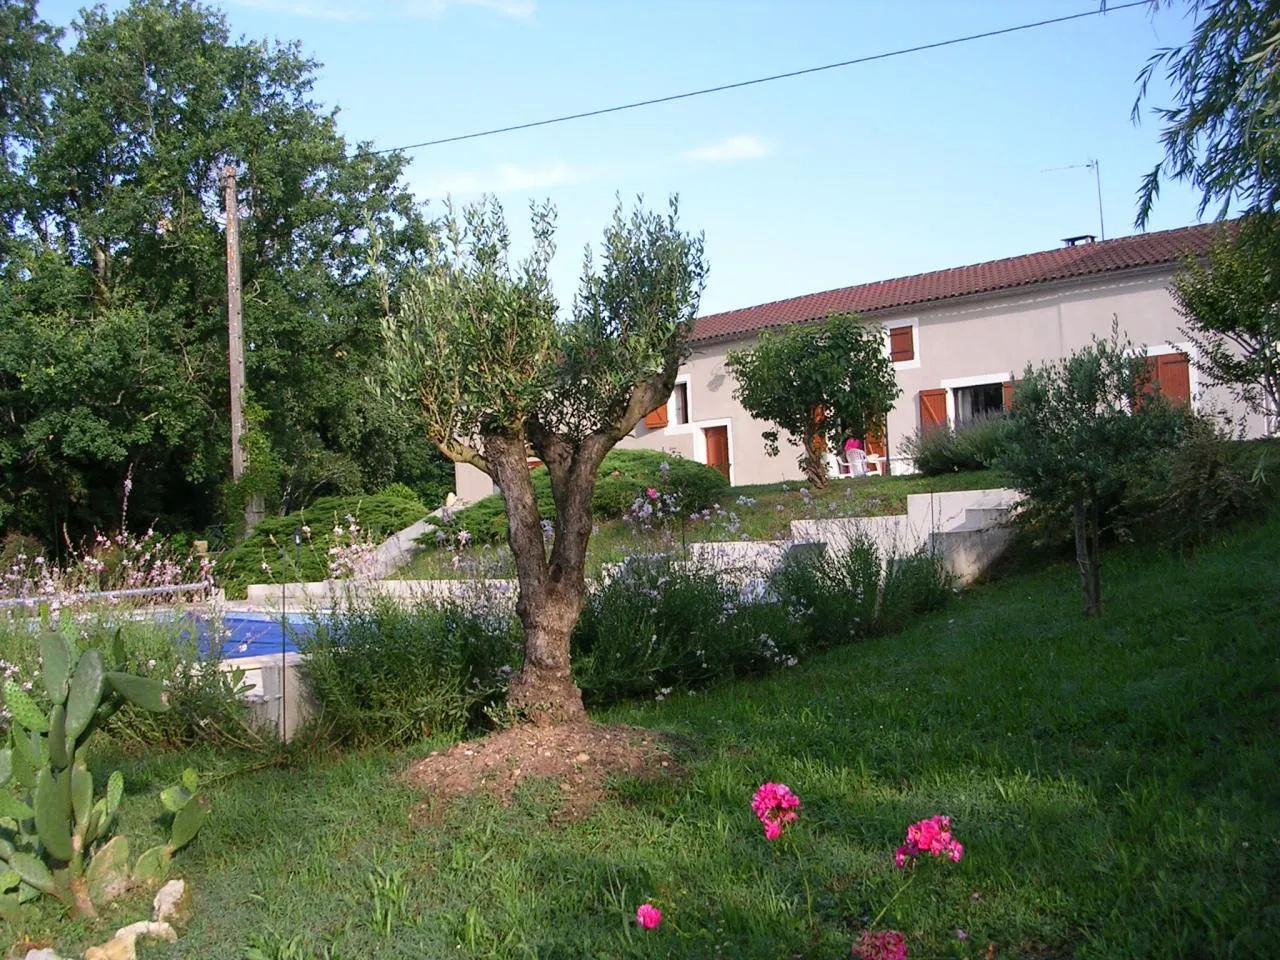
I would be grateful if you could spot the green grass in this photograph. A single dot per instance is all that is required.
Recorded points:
(1115, 784)
(757, 512)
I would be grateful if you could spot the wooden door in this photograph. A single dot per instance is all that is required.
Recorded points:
(717, 439)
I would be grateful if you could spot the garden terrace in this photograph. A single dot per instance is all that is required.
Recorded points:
(1114, 782)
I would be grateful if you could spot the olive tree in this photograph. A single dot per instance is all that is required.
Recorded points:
(1078, 429)
(478, 343)
(818, 383)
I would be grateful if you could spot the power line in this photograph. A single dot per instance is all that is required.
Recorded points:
(1107, 8)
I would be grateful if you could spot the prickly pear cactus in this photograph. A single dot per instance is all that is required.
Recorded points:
(55, 838)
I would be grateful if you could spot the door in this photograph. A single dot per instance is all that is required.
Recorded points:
(717, 439)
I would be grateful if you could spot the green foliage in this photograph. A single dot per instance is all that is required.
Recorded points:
(112, 274)
(478, 348)
(56, 837)
(384, 672)
(272, 541)
(1079, 429)
(850, 591)
(204, 701)
(654, 625)
(1222, 135)
(623, 476)
(975, 445)
(1198, 490)
(1232, 310)
(816, 382)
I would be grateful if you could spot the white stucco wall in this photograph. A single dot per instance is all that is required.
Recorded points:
(982, 338)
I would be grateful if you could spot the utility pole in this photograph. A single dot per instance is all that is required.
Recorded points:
(253, 510)
(235, 324)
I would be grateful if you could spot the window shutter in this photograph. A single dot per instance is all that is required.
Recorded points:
(933, 409)
(656, 418)
(1173, 373)
(901, 344)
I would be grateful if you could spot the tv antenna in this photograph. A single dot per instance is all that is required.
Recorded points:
(1097, 179)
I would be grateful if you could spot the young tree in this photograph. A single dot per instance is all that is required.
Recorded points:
(477, 344)
(1222, 134)
(1077, 429)
(1232, 309)
(819, 383)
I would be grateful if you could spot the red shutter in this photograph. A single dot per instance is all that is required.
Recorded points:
(1173, 373)
(901, 344)
(1008, 394)
(933, 409)
(656, 418)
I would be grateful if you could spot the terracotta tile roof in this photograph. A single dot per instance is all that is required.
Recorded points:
(1064, 263)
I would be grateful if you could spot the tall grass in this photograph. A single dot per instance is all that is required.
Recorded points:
(386, 672)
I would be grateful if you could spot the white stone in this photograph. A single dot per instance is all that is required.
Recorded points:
(171, 903)
(42, 954)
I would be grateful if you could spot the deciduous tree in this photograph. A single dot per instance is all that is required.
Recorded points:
(819, 383)
(1231, 305)
(1222, 133)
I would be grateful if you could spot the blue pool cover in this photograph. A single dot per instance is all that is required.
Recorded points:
(254, 634)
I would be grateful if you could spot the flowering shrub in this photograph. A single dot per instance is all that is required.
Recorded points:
(881, 945)
(655, 624)
(648, 916)
(933, 836)
(775, 806)
(105, 564)
(385, 672)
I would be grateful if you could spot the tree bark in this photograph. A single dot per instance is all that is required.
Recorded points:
(815, 470)
(1085, 519)
(543, 690)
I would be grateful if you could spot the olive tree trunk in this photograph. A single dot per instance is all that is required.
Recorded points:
(552, 589)
(1085, 521)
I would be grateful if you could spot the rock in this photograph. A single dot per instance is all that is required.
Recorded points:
(172, 904)
(123, 946)
(117, 948)
(42, 954)
(582, 758)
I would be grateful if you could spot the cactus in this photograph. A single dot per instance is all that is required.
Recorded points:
(56, 840)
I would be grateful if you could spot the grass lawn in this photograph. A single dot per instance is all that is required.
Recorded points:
(758, 512)
(1115, 784)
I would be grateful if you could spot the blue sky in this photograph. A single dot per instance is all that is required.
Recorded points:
(922, 162)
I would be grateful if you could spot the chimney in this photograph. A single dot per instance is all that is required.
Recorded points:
(1076, 241)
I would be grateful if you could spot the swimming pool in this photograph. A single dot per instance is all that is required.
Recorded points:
(254, 634)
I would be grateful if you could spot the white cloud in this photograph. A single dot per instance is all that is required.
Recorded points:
(739, 147)
(352, 10)
(505, 178)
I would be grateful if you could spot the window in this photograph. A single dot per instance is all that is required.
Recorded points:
(902, 345)
(680, 404)
(984, 400)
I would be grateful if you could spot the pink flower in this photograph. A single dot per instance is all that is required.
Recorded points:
(933, 836)
(653, 494)
(881, 945)
(648, 916)
(775, 806)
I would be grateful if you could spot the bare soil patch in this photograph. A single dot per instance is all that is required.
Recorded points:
(580, 758)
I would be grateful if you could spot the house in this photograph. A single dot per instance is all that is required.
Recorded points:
(957, 338)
